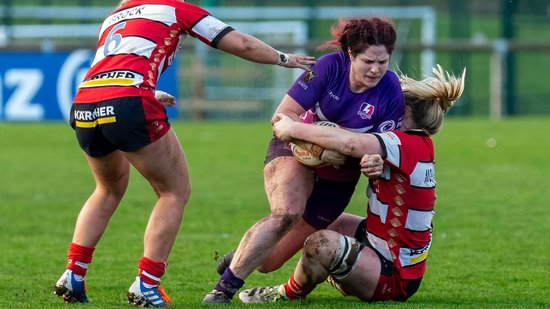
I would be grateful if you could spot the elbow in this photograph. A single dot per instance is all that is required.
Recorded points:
(247, 46)
(238, 44)
(349, 147)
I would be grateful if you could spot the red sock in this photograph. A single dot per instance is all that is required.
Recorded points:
(151, 271)
(78, 258)
(294, 290)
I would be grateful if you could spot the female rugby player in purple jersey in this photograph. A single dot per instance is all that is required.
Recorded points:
(351, 87)
(120, 120)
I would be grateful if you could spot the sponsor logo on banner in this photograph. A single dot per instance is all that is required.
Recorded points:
(37, 86)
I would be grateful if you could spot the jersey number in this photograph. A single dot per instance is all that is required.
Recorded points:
(113, 39)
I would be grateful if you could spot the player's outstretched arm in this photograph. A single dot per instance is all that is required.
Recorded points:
(255, 50)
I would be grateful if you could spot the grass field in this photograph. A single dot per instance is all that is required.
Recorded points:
(491, 229)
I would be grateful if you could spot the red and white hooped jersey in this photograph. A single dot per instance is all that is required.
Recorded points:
(401, 202)
(137, 43)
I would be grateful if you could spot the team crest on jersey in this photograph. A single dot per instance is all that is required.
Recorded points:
(309, 76)
(366, 110)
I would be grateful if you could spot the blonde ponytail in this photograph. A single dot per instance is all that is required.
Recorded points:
(431, 97)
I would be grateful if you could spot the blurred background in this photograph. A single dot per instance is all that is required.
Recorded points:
(46, 47)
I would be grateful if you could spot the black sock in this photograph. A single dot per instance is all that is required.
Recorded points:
(229, 284)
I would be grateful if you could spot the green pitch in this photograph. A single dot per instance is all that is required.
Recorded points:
(491, 229)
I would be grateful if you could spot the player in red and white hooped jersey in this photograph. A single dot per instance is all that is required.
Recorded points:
(382, 257)
(402, 200)
(120, 120)
(140, 39)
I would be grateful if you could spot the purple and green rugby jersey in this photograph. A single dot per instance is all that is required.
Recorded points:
(325, 93)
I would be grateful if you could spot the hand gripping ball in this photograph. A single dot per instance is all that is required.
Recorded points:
(311, 157)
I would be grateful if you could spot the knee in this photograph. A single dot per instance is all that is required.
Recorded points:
(114, 190)
(321, 247)
(178, 196)
(284, 221)
(318, 243)
(186, 195)
(181, 197)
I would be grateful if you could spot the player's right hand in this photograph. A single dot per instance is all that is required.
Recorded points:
(372, 166)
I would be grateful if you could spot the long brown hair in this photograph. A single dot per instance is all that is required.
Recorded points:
(358, 34)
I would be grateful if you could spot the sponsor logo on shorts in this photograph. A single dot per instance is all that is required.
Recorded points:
(92, 118)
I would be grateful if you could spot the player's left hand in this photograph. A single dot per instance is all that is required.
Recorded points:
(372, 165)
(165, 99)
(282, 127)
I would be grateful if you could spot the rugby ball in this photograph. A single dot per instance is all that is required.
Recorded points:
(311, 158)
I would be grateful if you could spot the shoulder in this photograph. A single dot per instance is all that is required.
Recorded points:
(178, 5)
(189, 7)
(390, 137)
(390, 89)
(329, 67)
(410, 136)
(333, 60)
(397, 137)
(391, 79)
